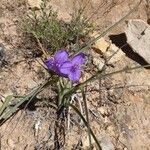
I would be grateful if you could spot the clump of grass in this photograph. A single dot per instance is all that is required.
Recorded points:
(53, 33)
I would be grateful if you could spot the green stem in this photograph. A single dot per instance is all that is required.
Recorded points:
(85, 122)
(28, 98)
(87, 117)
(99, 75)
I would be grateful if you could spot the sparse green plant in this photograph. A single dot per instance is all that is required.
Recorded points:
(53, 33)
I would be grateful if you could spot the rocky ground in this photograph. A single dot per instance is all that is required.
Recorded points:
(119, 105)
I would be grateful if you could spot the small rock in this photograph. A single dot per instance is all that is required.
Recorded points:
(11, 143)
(32, 84)
(114, 53)
(34, 4)
(103, 111)
(138, 37)
(101, 46)
(106, 143)
(111, 130)
(99, 62)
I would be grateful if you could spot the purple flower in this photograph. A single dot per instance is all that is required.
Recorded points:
(72, 68)
(66, 67)
(54, 63)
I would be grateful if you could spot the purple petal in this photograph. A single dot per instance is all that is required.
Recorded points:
(65, 67)
(79, 59)
(61, 56)
(50, 63)
(75, 75)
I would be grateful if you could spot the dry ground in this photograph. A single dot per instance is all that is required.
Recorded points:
(119, 112)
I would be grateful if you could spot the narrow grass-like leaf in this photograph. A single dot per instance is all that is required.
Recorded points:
(109, 29)
(28, 98)
(87, 116)
(6, 103)
(99, 75)
(85, 122)
(12, 110)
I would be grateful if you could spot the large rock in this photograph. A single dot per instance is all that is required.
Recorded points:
(138, 37)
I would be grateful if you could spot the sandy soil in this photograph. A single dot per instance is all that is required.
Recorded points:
(119, 108)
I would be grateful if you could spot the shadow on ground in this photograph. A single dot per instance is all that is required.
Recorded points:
(120, 40)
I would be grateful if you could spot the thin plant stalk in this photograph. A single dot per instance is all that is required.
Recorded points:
(28, 98)
(86, 123)
(109, 29)
(87, 116)
(99, 75)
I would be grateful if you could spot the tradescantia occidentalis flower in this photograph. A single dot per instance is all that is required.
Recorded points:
(63, 66)
(72, 68)
(54, 63)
